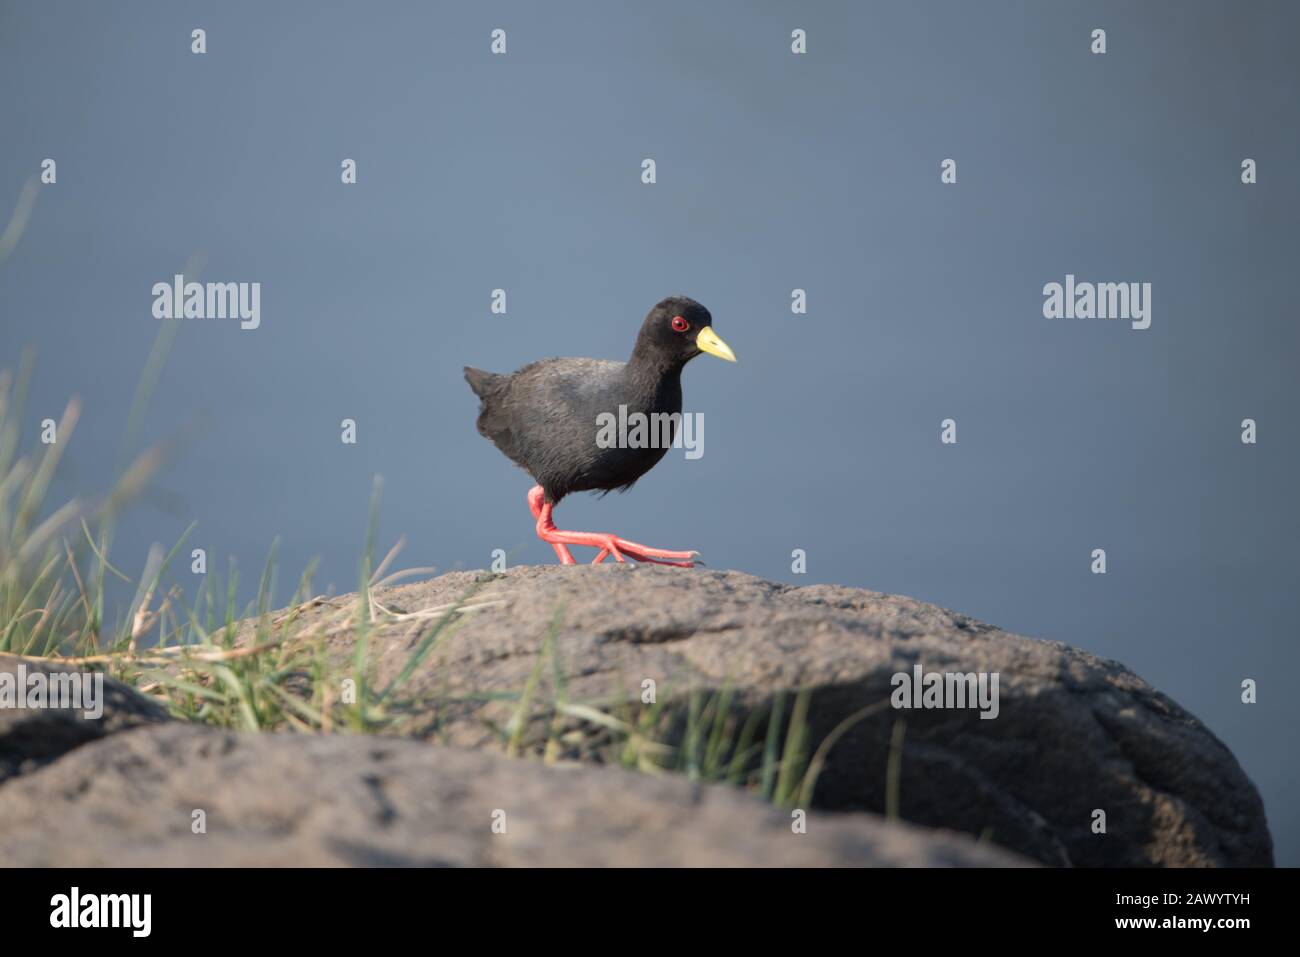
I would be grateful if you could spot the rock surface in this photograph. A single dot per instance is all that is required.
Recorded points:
(296, 800)
(31, 737)
(1074, 734)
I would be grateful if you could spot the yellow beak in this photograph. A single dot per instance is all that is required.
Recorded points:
(708, 341)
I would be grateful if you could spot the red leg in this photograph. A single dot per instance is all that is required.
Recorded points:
(605, 543)
(536, 498)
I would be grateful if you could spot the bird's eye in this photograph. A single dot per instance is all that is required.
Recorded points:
(680, 324)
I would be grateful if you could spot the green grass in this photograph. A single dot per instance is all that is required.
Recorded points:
(265, 666)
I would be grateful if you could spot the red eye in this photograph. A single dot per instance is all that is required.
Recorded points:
(680, 324)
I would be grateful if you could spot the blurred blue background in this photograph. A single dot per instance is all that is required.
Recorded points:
(775, 171)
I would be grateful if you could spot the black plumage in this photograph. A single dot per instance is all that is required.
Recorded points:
(544, 416)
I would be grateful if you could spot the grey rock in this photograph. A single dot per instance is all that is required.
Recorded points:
(1075, 732)
(31, 737)
(285, 799)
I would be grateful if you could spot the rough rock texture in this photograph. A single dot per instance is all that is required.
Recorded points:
(1075, 732)
(30, 737)
(274, 800)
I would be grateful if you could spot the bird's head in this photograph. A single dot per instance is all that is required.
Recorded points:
(677, 330)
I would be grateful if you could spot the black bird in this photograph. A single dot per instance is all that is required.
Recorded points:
(547, 418)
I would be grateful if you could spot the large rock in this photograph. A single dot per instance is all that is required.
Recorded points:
(33, 736)
(272, 800)
(1074, 733)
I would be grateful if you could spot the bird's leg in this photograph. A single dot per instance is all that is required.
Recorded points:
(606, 543)
(558, 538)
(536, 500)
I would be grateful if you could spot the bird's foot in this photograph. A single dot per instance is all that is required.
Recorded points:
(644, 553)
(606, 544)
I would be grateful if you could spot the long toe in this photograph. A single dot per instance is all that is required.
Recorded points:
(663, 561)
(679, 559)
(637, 547)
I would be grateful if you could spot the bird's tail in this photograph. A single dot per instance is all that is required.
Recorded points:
(483, 383)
